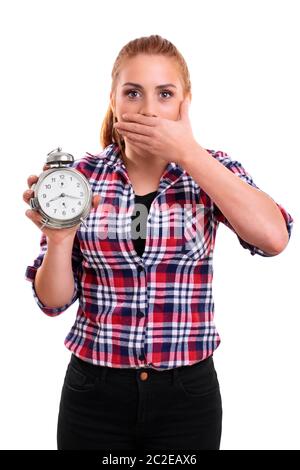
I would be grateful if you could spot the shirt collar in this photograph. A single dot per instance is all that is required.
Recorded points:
(111, 155)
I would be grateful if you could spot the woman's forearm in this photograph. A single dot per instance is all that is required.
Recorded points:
(251, 212)
(54, 281)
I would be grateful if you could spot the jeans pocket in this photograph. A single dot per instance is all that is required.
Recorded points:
(78, 381)
(199, 382)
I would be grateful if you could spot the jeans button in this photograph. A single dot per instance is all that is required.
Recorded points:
(144, 375)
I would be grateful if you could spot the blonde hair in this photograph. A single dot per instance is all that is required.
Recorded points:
(153, 44)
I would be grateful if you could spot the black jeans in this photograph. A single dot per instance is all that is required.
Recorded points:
(143, 409)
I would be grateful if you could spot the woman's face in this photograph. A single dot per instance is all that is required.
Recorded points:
(151, 91)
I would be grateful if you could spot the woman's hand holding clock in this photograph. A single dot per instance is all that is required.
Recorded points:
(57, 236)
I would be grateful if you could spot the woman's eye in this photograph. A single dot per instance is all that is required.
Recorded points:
(131, 91)
(135, 91)
(167, 91)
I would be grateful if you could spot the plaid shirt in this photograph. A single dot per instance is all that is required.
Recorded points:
(156, 310)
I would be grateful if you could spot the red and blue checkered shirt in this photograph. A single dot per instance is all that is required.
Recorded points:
(156, 310)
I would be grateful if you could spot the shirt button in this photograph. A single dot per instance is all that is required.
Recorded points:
(140, 268)
(140, 313)
(144, 375)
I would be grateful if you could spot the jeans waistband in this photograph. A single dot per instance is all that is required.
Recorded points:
(131, 372)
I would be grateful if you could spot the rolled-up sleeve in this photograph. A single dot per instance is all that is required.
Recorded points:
(31, 270)
(237, 168)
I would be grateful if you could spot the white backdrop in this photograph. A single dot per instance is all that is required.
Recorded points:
(56, 61)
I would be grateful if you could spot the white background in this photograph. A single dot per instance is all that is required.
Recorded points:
(56, 61)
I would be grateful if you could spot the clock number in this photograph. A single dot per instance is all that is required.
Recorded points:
(48, 186)
(55, 210)
(79, 203)
(81, 193)
(73, 210)
(53, 180)
(44, 196)
(48, 204)
(78, 185)
(63, 212)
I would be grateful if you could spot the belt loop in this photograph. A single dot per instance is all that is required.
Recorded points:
(174, 375)
(103, 374)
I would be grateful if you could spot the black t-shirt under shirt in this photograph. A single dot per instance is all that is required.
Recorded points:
(146, 199)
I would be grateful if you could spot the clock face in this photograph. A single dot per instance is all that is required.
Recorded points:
(62, 194)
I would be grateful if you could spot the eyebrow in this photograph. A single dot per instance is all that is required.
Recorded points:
(141, 87)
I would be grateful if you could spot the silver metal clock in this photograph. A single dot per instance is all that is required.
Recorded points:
(62, 195)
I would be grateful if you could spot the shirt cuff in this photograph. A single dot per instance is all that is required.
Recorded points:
(50, 311)
(254, 250)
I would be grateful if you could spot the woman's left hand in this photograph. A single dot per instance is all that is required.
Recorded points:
(158, 137)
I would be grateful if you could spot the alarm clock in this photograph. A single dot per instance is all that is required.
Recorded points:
(62, 195)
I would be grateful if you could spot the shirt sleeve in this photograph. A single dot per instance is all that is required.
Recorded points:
(31, 270)
(237, 168)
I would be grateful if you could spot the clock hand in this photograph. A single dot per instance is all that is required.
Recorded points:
(73, 197)
(64, 195)
(57, 197)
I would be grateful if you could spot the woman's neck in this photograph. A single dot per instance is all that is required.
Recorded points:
(139, 164)
(143, 173)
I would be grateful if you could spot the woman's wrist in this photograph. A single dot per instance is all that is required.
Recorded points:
(61, 244)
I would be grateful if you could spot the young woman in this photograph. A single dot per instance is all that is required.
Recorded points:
(141, 373)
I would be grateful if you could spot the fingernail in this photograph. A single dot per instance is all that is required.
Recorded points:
(28, 213)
